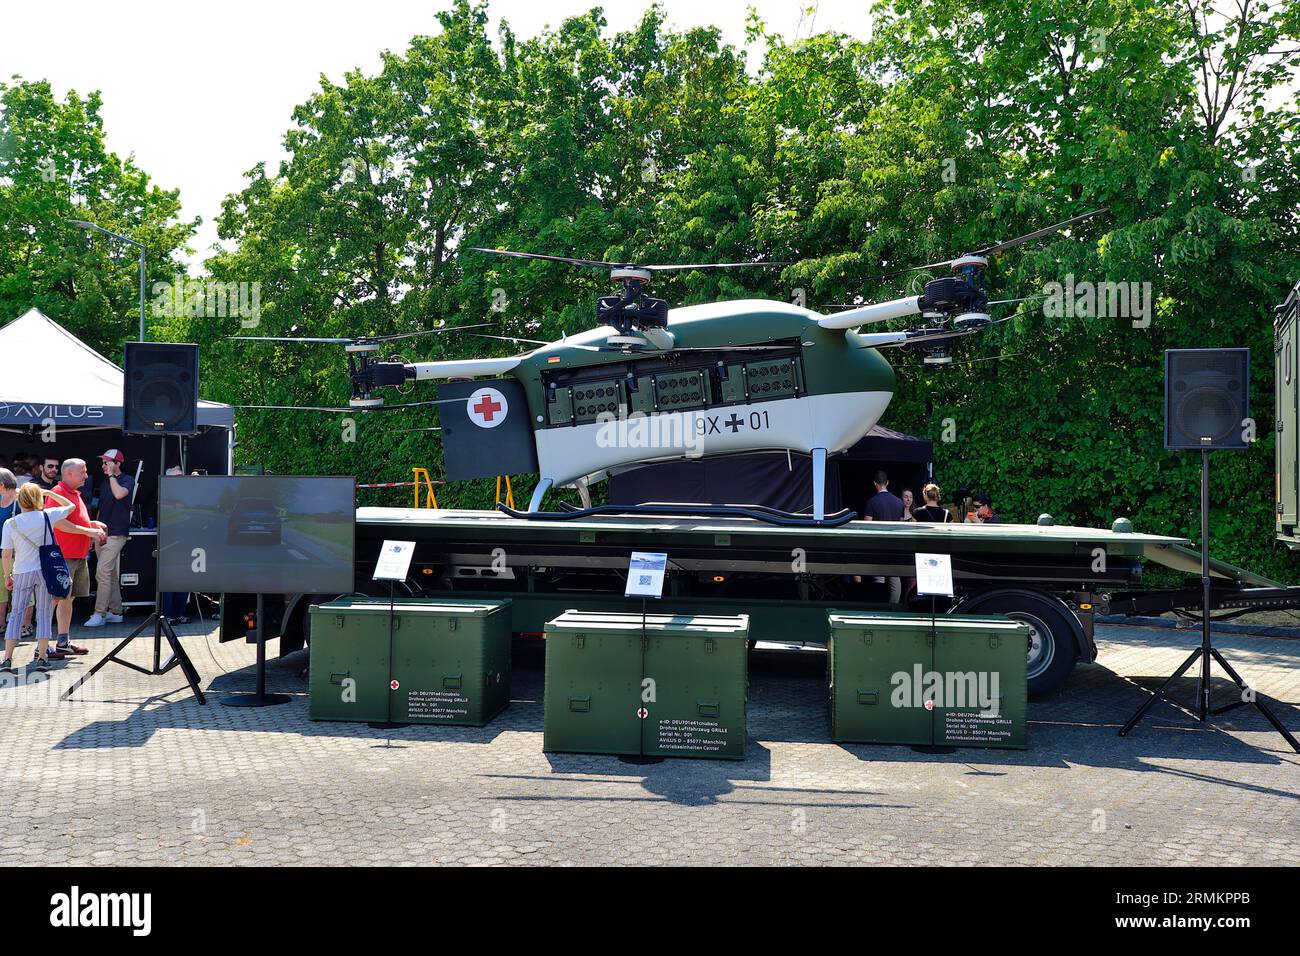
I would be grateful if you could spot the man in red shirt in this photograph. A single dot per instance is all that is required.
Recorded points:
(75, 548)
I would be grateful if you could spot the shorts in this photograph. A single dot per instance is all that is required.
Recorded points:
(80, 572)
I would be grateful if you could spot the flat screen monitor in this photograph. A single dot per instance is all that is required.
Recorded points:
(257, 534)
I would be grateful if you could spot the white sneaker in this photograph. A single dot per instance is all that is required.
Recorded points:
(112, 618)
(96, 620)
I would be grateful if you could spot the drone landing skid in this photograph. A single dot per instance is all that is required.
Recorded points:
(689, 509)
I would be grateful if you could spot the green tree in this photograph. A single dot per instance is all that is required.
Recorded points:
(54, 167)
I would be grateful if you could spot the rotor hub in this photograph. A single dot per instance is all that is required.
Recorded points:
(971, 321)
(630, 273)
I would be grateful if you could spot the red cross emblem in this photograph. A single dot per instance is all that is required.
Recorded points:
(487, 408)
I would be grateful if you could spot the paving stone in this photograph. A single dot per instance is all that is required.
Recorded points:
(150, 776)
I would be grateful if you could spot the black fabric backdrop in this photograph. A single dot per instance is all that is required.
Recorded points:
(778, 481)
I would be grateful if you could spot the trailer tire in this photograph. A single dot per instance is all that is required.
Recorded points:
(1054, 633)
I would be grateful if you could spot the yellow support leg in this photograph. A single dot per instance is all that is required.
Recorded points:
(510, 494)
(422, 479)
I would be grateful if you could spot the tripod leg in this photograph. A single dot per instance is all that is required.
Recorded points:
(1150, 701)
(111, 655)
(187, 666)
(1268, 714)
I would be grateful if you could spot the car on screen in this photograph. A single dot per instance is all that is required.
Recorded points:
(254, 521)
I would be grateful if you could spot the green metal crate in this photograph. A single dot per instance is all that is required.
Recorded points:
(907, 679)
(676, 687)
(426, 662)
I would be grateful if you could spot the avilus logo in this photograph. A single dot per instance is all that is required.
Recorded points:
(34, 412)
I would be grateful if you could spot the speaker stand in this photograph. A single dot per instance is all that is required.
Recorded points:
(157, 621)
(1207, 650)
(179, 658)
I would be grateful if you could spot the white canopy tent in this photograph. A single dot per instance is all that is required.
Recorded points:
(48, 374)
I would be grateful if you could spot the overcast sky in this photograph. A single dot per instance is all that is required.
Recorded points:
(201, 92)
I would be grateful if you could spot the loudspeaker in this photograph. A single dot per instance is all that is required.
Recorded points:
(1207, 398)
(160, 394)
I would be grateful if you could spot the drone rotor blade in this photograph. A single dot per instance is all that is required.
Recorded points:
(508, 338)
(993, 250)
(335, 409)
(411, 335)
(713, 265)
(589, 263)
(1000, 247)
(285, 338)
(1023, 298)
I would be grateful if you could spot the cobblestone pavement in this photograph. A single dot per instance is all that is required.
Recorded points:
(139, 773)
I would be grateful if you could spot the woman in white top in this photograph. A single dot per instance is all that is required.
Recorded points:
(20, 542)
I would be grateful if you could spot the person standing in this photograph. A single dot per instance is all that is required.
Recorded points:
(22, 468)
(883, 505)
(76, 548)
(115, 513)
(932, 511)
(8, 506)
(984, 513)
(20, 542)
(909, 502)
(45, 472)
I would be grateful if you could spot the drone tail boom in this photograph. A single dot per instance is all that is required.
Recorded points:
(466, 368)
(877, 312)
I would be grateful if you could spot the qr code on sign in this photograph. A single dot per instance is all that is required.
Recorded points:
(643, 579)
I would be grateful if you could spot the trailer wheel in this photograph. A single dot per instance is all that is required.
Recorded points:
(1053, 633)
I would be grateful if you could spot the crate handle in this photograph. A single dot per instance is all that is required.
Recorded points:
(707, 708)
(451, 681)
(337, 677)
(868, 696)
(580, 705)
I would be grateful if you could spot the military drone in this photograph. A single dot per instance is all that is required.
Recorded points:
(653, 383)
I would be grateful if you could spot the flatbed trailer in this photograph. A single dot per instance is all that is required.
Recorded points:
(1054, 578)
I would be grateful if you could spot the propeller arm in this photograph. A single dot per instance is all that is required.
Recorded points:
(466, 368)
(878, 312)
(875, 339)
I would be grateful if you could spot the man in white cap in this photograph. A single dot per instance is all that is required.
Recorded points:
(115, 512)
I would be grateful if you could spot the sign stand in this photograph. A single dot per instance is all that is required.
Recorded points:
(393, 565)
(934, 578)
(645, 579)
